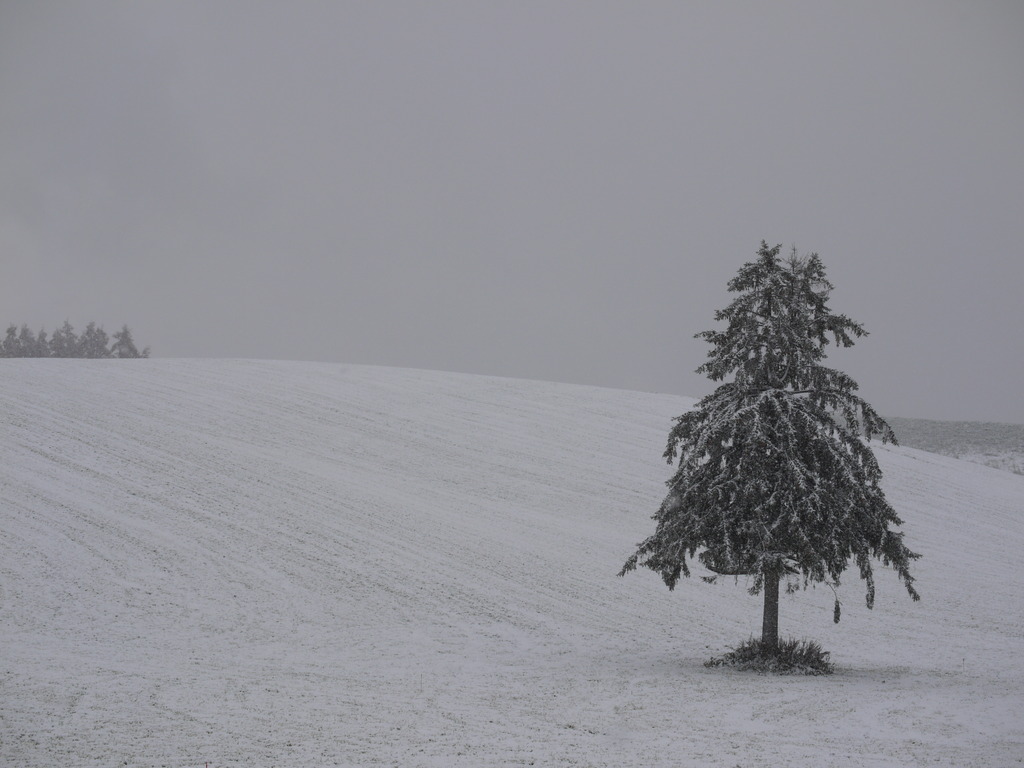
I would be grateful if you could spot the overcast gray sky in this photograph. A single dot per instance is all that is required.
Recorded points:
(549, 190)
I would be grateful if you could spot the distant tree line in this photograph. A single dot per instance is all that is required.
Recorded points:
(92, 343)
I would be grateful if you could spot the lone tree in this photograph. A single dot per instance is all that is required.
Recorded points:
(775, 479)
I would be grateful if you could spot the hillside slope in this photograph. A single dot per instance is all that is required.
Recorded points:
(1000, 446)
(264, 563)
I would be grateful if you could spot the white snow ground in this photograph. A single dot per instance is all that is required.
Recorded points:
(291, 564)
(995, 445)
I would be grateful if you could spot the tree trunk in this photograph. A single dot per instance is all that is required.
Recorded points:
(770, 623)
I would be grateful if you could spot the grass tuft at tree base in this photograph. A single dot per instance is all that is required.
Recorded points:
(792, 657)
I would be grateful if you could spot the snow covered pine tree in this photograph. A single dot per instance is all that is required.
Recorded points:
(775, 480)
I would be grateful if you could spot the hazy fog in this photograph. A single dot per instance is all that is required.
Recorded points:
(551, 190)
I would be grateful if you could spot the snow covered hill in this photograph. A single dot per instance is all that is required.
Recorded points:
(995, 445)
(248, 563)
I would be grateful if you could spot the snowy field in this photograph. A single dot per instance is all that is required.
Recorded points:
(994, 445)
(251, 563)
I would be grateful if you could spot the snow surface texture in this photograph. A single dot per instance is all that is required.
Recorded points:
(995, 445)
(290, 564)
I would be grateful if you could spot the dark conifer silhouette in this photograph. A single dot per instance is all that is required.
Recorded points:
(775, 479)
(93, 343)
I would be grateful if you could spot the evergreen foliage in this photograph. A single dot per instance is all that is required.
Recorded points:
(64, 342)
(10, 347)
(791, 657)
(28, 344)
(775, 479)
(124, 345)
(93, 343)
